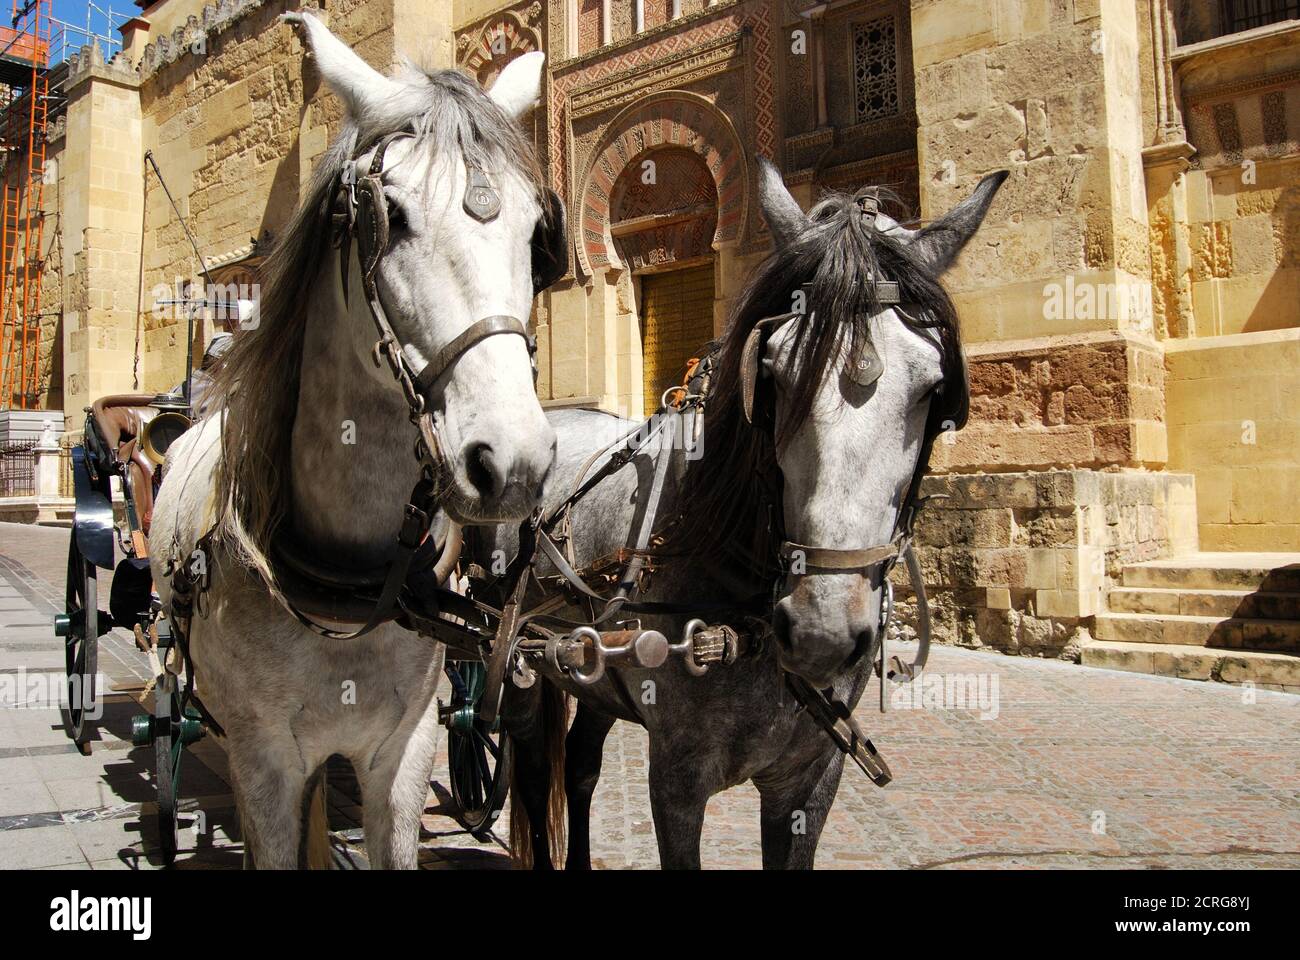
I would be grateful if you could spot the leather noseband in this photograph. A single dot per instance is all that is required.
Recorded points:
(364, 215)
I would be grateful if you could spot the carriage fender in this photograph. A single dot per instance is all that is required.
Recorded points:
(92, 524)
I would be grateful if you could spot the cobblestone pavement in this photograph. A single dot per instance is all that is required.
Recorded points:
(1066, 767)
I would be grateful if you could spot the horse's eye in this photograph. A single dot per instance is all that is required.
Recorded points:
(396, 214)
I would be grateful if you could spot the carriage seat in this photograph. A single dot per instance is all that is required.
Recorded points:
(118, 420)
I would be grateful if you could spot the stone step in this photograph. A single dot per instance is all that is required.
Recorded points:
(1274, 671)
(1273, 572)
(1234, 633)
(1189, 602)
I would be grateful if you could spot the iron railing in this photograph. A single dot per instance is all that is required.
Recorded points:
(18, 468)
(65, 465)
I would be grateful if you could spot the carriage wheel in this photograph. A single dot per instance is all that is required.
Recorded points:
(80, 630)
(479, 755)
(170, 729)
(167, 748)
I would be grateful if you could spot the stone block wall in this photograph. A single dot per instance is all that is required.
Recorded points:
(1049, 90)
(1234, 422)
(1058, 401)
(1019, 561)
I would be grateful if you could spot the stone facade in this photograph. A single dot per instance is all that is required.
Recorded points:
(1129, 307)
(1019, 562)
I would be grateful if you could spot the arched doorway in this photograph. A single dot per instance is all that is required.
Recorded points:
(664, 215)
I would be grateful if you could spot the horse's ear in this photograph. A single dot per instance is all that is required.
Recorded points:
(519, 88)
(784, 217)
(363, 89)
(941, 241)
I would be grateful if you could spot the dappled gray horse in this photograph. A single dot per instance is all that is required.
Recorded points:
(801, 450)
(432, 200)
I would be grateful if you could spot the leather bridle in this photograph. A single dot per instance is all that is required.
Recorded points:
(361, 213)
(948, 410)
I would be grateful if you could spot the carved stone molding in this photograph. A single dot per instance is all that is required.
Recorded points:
(672, 118)
(519, 27)
(696, 63)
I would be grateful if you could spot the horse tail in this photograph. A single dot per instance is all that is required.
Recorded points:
(315, 844)
(554, 718)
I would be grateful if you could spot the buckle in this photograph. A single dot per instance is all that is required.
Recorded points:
(415, 523)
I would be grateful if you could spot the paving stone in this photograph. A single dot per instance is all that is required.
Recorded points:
(25, 797)
(39, 847)
(1079, 767)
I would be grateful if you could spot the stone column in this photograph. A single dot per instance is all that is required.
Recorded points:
(818, 44)
(1054, 299)
(103, 171)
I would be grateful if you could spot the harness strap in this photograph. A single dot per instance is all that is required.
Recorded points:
(826, 558)
(474, 334)
(835, 718)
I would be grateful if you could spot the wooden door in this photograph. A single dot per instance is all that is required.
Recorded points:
(676, 323)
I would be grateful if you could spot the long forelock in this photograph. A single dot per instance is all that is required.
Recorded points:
(839, 255)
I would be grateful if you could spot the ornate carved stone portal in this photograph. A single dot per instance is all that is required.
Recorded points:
(664, 209)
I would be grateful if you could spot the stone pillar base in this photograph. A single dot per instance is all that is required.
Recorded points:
(1019, 562)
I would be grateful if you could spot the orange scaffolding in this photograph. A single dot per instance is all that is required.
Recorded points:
(24, 97)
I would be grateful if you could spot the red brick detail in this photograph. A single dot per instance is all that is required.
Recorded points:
(670, 119)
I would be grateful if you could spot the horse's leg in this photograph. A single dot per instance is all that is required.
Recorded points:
(794, 810)
(269, 784)
(394, 787)
(583, 751)
(678, 793)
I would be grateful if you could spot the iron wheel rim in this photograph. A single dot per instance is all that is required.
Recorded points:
(479, 758)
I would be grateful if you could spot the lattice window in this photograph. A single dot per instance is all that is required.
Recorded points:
(875, 69)
(1239, 15)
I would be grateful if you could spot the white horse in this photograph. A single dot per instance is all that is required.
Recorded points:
(313, 445)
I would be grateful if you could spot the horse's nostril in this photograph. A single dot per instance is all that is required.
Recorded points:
(863, 642)
(482, 472)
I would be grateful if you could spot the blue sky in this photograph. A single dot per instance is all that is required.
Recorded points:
(74, 11)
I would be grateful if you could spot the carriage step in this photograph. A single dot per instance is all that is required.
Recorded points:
(1273, 671)
(1234, 633)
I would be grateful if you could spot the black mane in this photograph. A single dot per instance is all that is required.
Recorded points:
(727, 496)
